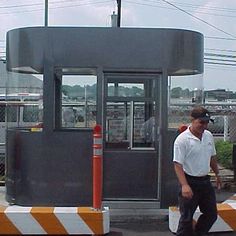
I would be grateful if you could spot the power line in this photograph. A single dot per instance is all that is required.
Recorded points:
(211, 25)
(215, 14)
(219, 55)
(218, 63)
(22, 5)
(150, 5)
(219, 67)
(159, 6)
(205, 7)
(37, 4)
(220, 50)
(218, 38)
(197, 6)
(56, 7)
(215, 59)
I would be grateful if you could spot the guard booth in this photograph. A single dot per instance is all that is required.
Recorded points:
(53, 167)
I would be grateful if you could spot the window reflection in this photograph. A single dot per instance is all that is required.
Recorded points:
(118, 124)
(78, 106)
(126, 89)
(144, 125)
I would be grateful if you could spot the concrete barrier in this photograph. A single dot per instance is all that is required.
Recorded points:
(226, 220)
(53, 220)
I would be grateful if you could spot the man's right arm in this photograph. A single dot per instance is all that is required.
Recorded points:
(186, 189)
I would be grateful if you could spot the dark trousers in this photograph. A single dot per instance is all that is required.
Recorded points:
(204, 197)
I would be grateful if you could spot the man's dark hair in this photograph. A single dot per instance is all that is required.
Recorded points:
(200, 113)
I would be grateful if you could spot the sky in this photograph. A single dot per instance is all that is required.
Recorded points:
(215, 19)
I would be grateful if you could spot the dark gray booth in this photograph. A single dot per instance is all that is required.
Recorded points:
(54, 167)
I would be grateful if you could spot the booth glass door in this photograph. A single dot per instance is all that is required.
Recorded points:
(131, 136)
(127, 127)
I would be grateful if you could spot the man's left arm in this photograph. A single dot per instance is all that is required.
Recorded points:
(215, 168)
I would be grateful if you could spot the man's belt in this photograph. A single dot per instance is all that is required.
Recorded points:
(205, 177)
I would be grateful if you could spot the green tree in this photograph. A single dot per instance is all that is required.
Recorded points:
(176, 92)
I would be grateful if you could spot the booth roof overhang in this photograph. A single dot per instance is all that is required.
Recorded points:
(177, 51)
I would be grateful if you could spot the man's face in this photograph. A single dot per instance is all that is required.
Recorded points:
(199, 125)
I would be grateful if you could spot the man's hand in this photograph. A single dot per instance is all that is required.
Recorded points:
(187, 191)
(214, 167)
(218, 182)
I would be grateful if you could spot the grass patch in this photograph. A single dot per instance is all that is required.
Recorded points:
(224, 150)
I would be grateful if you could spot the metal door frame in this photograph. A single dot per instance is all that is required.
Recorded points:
(140, 77)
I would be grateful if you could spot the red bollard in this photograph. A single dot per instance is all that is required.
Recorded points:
(97, 167)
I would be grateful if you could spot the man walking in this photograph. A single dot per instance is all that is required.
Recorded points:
(194, 155)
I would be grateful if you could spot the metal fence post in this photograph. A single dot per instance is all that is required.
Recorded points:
(226, 127)
(234, 161)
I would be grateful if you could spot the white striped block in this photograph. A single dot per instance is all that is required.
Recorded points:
(23, 220)
(232, 199)
(53, 220)
(72, 221)
(226, 220)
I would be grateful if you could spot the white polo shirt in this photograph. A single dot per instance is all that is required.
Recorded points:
(194, 154)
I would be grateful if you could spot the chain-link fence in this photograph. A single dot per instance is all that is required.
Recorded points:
(224, 125)
(223, 114)
(2, 162)
(19, 107)
(20, 116)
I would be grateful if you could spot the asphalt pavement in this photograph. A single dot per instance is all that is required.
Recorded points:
(159, 227)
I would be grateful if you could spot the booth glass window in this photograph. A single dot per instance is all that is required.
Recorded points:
(184, 93)
(22, 104)
(78, 101)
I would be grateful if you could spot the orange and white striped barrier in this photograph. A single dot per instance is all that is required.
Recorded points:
(226, 220)
(53, 220)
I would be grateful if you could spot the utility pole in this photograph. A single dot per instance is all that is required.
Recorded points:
(46, 14)
(119, 12)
